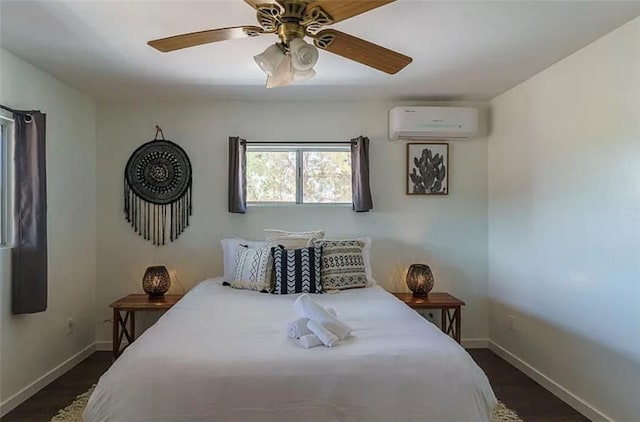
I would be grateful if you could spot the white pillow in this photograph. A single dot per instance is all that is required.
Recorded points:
(366, 256)
(229, 250)
(253, 270)
(275, 233)
(292, 240)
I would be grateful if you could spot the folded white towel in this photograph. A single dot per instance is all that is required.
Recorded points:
(326, 337)
(309, 341)
(306, 307)
(338, 328)
(298, 328)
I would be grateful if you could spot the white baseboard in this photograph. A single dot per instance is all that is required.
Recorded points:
(475, 343)
(31, 389)
(107, 346)
(556, 389)
(104, 346)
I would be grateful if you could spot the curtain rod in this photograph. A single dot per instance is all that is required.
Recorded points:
(298, 142)
(9, 109)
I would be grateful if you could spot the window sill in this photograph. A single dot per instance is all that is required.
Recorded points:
(292, 205)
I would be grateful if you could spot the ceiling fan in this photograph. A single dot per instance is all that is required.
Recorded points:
(291, 59)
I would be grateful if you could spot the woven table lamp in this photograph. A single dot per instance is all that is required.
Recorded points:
(420, 279)
(156, 281)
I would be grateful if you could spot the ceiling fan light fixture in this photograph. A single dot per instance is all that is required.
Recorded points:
(292, 21)
(299, 76)
(270, 59)
(283, 74)
(303, 55)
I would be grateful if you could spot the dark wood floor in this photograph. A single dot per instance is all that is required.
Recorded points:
(522, 394)
(45, 404)
(532, 402)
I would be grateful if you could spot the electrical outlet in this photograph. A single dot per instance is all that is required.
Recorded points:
(512, 323)
(71, 322)
(428, 316)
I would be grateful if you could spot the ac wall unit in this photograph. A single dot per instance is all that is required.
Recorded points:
(413, 123)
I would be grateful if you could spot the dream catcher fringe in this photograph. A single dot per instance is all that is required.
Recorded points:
(158, 190)
(157, 223)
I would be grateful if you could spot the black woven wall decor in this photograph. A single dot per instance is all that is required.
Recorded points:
(157, 190)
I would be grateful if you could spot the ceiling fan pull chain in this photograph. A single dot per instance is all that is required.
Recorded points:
(158, 131)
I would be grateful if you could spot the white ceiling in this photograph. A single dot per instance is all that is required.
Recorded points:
(461, 50)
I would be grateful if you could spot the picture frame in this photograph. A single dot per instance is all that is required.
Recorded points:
(427, 168)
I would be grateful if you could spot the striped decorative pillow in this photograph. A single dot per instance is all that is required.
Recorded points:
(297, 270)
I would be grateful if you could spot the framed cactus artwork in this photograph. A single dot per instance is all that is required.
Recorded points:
(427, 169)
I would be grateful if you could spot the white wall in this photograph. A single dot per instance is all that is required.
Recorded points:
(447, 232)
(564, 223)
(32, 345)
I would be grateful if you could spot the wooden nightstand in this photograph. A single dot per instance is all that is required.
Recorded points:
(129, 305)
(449, 306)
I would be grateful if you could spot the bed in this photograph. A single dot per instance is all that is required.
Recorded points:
(221, 354)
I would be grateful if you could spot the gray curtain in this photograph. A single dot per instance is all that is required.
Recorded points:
(362, 201)
(237, 175)
(29, 252)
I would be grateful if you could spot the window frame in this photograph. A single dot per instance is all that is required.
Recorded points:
(299, 149)
(6, 166)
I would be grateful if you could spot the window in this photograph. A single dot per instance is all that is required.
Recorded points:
(299, 174)
(6, 126)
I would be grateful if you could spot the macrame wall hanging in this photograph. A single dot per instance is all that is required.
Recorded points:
(157, 190)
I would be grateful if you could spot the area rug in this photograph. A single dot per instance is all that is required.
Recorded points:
(73, 412)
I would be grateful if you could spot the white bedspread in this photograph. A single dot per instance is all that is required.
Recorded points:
(222, 355)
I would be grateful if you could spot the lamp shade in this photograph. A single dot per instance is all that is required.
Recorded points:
(303, 55)
(299, 76)
(156, 281)
(420, 279)
(283, 75)
(270, 59)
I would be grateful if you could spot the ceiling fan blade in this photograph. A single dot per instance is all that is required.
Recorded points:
(256, 3)
(192, 39)
(270, 7)
(345, 9)
(361, 51)
(268, 12)
(253, 3)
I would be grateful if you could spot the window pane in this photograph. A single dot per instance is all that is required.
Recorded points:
(271, 176)
(326, 176)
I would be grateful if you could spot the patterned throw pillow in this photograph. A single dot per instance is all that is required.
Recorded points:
(230, 251)
(292, 240)
(342, 264)
(253, 270)
(297, 270)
